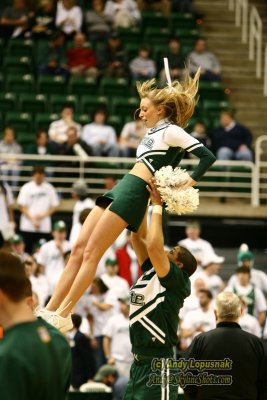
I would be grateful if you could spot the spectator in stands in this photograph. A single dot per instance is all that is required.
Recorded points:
(76, 228)
(58, 129)
(14, 20)
(10, 166)
(51, 254)
(200, 320)
(186, 6)
(81, 59)
(37, 201)
(116, 342)
(99, 136)
(69, 18)
(256, 302)
(112, 59)
(83, 363)
(231, 140)
(80, 195)
(210, 274)
(156, 5)
(248, 322)
(35, 359)
(7, 219)
(142, 67)
(200, 248)
(176, 61)
(101, 304)
(245, 258)
(103, 380)
(199, 132)
(110, 181)
(96, 22)
(42, 23)
(122, 13)
(17, 243)
(229, 342)
(201, 57)
(52, 60)
(192, 302)
(131, 135)
(41, 147)
(74, 146)
(119, 286)
(39, 281)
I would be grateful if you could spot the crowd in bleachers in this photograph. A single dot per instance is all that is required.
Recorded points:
(68, 88)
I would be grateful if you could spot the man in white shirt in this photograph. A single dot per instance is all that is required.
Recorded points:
(6, 210)
(200, 248)
(116, 342)
(51, 254)
(37, 201)
(119, 286)
(58, 129)
(256, 303)
(248, 322)
(101, 137)
(199, 320)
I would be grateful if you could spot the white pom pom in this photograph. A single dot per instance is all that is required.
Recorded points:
(177, 201)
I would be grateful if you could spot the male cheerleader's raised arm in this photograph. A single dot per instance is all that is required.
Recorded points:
(155, 238)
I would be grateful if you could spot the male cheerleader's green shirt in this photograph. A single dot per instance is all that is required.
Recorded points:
(35, 362)
(154, 306)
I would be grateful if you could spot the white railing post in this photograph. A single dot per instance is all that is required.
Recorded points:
(255, 39)
(241, 18)
(265, 72)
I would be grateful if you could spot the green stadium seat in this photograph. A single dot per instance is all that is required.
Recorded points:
(183, 33)
(25, 138)
(56, 102)
(79, 85)
(111, 86)
(30, 102)
(2, 47)
(90, 103)
(20, 47)
(215, 105)
(17, 65)
(8, 102)
(211, 90)
(20, 122)
(124, 106)
(130, 35)
(157, 35)
(51, 84)
(20, 83)
(82, 119)
(117, 122)
(43, 120)
(153, 18)
(132, 49)
(182, 20)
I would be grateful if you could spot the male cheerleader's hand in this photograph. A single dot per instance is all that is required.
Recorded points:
(155, 197)
(187, 184)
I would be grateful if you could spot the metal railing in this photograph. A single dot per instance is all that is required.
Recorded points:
(251, 28)
(228, 179)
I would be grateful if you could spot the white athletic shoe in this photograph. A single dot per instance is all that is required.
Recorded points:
(61, 323)
(43, 312)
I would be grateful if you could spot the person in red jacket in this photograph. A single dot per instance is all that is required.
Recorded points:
(81, 58)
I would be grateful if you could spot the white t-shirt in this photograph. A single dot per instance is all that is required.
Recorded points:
(58, 130)
(260, 302)
(100, 317)
(6, 200)
(79, 206)
(40, 286)
(37, 199)
(250, 324)
(73, 16)
(119, 286)
(196, 318)
(93, 132)
(190, 303)
(213, 282)
(52, 260)
(200, 248)
(117, 329)
(258, 278)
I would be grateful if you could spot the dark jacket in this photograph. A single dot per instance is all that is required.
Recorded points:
(233, 138)
(83, 363)
(248, 364)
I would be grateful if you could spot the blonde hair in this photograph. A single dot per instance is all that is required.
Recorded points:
(179, 100)
(228, 306)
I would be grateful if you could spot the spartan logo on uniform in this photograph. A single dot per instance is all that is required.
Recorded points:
(148, 142)
(137, 299)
